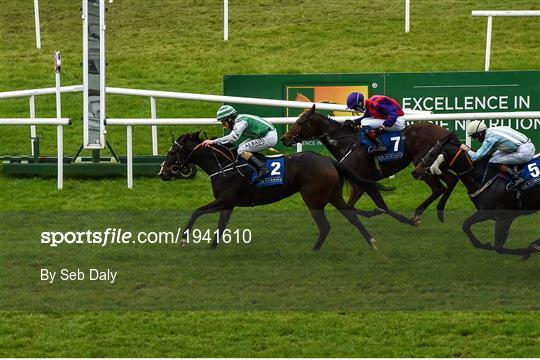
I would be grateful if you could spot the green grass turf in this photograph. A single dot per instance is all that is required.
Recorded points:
(177, 45)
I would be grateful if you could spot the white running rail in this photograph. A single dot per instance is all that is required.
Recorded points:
(490, 14)
(59, 122)
(129, 123)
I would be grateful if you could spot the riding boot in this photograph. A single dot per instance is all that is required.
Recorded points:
(378, 147)
(516, 179)
(262, 171)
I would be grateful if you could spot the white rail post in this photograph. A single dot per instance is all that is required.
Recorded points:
(488, 42)
(36, 21)
(225, 20)
(153, 115)
(129, 132)
(407, 15)
(299, 147)
(33, 132)
(467, 137)
(59, 128)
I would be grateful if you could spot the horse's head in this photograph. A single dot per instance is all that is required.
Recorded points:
(179, 156)
(305, 127)
(438, 157)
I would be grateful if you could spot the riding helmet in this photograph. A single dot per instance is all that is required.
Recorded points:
(355, 101)
(225, 113)
(475, 127)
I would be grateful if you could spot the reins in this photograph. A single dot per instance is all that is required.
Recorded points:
(456, 156)
(215, 148)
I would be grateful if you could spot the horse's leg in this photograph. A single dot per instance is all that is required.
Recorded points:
(377, 198)
(324, 226)
(502, 229)
(437, 189)
(534, 247)
(475, 218)
(214, 206)
(350, 215)
(356, 194)
(224, 217)
(451, 181)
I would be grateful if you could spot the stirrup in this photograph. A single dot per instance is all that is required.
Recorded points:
(515, 184)
(375, 150)
(261, 173)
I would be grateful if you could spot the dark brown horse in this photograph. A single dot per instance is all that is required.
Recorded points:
(487, 190)
(340, 141)
(317, 178)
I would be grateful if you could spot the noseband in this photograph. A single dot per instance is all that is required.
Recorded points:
(438, 147)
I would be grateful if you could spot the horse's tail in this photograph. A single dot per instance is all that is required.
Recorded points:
(358, 180)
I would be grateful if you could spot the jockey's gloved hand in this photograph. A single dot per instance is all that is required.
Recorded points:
(349, 123)
(380, 129)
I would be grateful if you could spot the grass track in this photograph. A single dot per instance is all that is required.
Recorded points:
(183, 37)
(270, 334)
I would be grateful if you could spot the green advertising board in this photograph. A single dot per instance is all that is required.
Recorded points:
(450, 92)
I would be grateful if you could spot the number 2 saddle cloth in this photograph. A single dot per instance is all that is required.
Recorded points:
(275, 165)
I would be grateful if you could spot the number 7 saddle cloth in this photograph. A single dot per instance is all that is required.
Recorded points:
(393, 140)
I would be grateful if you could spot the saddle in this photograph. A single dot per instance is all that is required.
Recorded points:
(529, 172)
(392, 140)
(276, 170)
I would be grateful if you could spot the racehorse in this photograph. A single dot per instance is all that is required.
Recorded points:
(340, 141)
(319, 180)
(487, 190)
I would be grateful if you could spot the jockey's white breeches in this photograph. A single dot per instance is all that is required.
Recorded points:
(257, 145)
(523, 154)
(375, 123)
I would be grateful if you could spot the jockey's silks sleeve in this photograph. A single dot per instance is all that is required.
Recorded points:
(237, 131)
(501, 138)
(384, 108)
(487, 148)
(388, 111)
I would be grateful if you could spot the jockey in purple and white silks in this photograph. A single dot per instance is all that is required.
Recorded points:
(381, 113)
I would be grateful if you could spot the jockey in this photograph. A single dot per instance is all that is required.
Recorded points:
(505, 145)
(380, 112)
(261, 135)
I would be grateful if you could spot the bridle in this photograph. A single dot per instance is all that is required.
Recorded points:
(215, 148)
(456, 156)
(437, 147)
(440, 148)
(326, 136)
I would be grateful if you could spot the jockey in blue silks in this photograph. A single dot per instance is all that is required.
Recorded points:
(505, 145)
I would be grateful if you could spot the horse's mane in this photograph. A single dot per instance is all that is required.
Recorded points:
(451, 138)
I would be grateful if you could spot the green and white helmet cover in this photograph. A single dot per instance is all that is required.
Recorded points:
(224, 112)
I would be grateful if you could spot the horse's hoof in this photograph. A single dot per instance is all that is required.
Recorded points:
(416, 220)
(373, 244)
(441, 215)
(183, 243)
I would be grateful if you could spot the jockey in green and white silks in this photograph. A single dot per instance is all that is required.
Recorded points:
(505, 145)
(261, 135)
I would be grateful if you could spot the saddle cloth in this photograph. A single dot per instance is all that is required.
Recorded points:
(276, 167)
(531, 174)
(393, 140)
